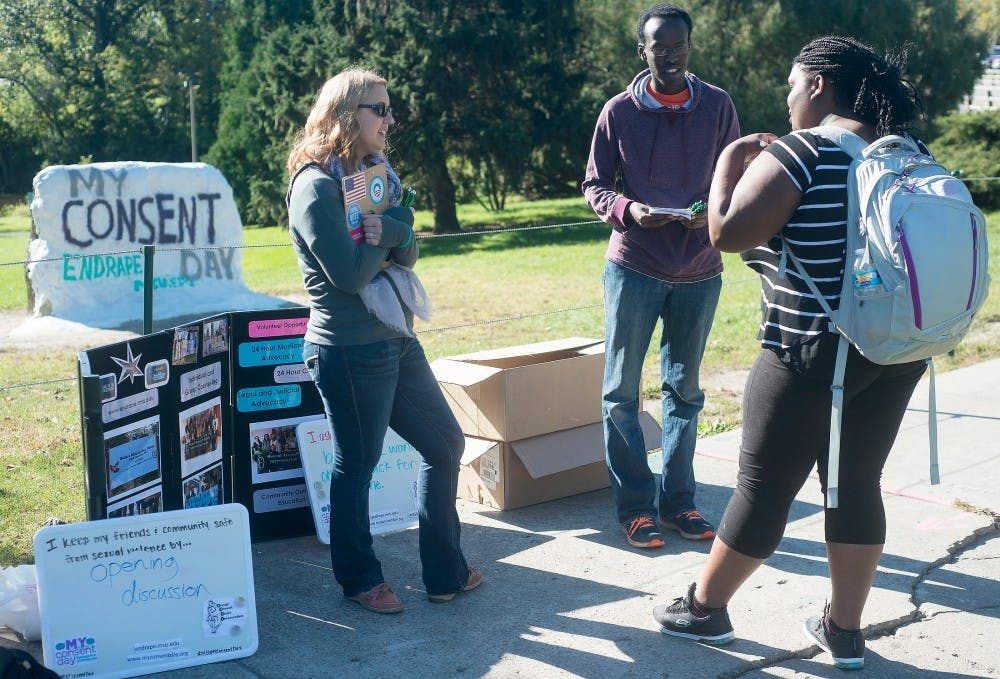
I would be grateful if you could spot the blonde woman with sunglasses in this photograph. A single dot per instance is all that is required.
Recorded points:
(360, 348)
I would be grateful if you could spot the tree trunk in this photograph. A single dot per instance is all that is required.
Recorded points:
(442, 193)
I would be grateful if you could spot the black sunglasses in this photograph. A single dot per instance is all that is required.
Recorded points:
(381, 108)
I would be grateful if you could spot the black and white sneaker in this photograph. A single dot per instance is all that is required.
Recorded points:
(846, 646)
(678, 620)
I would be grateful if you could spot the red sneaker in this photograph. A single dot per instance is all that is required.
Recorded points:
(475, 579)
(379, 599)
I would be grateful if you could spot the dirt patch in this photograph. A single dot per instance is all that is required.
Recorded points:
(728, 382)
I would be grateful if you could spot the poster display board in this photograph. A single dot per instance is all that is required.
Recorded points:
(146, 593)
(199, 415)
(157, 438)
(392, 496)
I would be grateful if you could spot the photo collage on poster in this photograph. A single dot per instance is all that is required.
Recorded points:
(163, 419)
(201, 453)
(200, 424)
(133, 454)
(274, 450)
(185, 349)
(271, 374)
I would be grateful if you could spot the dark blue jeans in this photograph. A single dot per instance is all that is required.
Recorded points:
(633, 303)
(366, 389)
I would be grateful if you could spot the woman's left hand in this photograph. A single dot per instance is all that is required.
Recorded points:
(372, 225)
(752, 144)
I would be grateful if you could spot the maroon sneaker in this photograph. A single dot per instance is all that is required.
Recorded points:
(379, 599)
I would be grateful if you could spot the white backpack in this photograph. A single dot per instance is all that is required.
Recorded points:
(915, 272)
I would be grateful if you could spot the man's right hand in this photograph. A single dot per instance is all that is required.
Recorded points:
(641, 215)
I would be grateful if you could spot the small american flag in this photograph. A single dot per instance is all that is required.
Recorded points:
(354, 187)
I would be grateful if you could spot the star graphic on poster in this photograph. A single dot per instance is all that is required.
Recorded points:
(129, 366)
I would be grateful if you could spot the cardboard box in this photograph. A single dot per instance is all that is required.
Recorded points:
(519, 392)
(506, 475)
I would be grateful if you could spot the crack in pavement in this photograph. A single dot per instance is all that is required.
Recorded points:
(890, 627)
(975, 609)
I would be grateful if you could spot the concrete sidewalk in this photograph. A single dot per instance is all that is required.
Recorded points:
(566, 597)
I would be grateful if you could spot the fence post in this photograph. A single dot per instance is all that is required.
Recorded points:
(147, 289)
(94, 466)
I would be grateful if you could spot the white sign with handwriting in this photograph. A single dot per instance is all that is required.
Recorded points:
(141, 594)
(392, 493)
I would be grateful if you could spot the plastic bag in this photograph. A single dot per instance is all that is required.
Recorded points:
(19, 601)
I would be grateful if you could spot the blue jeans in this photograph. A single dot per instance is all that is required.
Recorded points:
(366, 389)
(632, 305)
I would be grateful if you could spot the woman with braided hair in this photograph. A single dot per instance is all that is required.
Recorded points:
(796, 187)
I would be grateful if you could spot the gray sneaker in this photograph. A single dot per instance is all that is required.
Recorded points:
(846, 646)
(678, 620)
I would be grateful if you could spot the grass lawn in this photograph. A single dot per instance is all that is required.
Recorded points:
(546, 282)
(15, 224)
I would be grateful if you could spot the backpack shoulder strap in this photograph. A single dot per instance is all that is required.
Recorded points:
(850, 143)
(836, 418)
(786, 251)
(897, 140)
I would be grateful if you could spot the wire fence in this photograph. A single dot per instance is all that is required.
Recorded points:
(461, 234)
(419, 237)
(468, 234)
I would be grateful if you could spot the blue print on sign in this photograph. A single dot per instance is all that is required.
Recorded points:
(268, 398)
(272, 352)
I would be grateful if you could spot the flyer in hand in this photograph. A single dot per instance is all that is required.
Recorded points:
(674, 212)
(687, 213)
(365, 192)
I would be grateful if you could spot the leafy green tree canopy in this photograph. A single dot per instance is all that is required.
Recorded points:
(103, 79)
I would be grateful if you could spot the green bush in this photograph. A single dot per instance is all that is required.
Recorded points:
(970, 142)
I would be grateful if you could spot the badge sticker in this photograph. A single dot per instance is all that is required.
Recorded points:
(353, 216)
(377, 190)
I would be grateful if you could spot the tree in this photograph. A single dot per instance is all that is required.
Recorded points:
(969, 144)
(986, 14)
(942, 41)
(18, 160)
(277, 59)
(495, 96)
(99, 78)
(481, 82)
(747, 47)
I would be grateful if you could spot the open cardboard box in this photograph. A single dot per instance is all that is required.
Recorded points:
(513, 474)
(518, 392)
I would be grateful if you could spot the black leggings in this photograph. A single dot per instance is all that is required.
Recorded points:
(786, 430)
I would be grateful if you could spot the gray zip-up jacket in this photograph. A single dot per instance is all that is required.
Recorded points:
(334, 268)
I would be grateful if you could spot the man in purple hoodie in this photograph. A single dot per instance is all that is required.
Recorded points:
(655, 146)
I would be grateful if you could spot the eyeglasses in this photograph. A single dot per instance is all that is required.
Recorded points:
(380, 108)
(659, 51)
